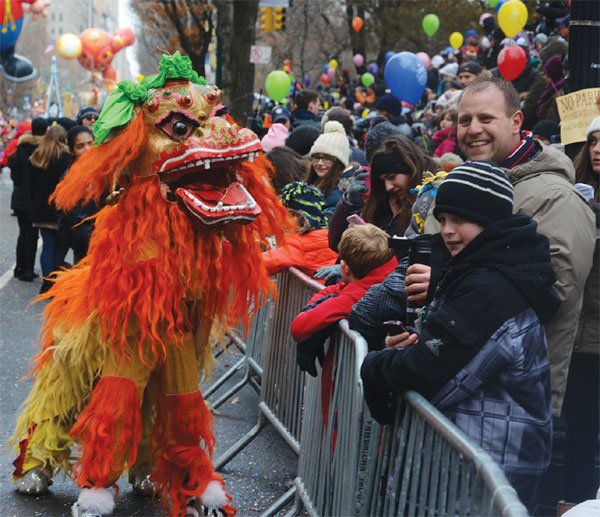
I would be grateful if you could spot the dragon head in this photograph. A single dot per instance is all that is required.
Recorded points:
(194, 149)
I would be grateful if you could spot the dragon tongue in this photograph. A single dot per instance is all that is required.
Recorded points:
(235, 195)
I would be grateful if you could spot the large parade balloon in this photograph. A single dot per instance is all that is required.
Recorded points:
(96, 49)
(512, 17)
(511, 62)
(357, 24)
(367, 79)
(359, 60)
(424, 58)
(406, 77)
(456, 40)
(431, 24)
(277, 85)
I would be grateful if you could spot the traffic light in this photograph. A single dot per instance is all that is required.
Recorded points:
(266, 19)
(279, 19)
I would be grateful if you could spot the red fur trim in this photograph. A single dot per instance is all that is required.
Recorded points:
(18, 463)
(109, 429)
(182, 444)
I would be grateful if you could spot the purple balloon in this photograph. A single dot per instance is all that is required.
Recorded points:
(406, 77)
(373, 69)
(306, 81)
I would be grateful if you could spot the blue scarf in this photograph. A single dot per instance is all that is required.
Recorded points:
(524, 152)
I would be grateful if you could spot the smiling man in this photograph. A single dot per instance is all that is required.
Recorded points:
(489, 128)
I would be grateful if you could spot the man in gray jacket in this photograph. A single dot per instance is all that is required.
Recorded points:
(489, 128)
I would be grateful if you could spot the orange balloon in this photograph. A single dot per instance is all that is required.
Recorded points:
(357, 23)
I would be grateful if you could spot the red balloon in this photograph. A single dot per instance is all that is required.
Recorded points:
(511, 62)
(325, 79)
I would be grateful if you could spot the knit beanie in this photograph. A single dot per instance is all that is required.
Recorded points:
(84, 111)
(594, 126)
(307, 201)
(477, 191)
(546, 128)
(449, 70)
(377, 135)
(333, 142)
(39, 126)
(389, 103)
(554, 68)
(302, 138)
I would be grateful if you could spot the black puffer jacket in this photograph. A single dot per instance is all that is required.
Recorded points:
(43, 183)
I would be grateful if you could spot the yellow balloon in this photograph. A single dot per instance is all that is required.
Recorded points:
(333, 64)
(512, 17)
(456, 40)
(69, 46)
(140, 78)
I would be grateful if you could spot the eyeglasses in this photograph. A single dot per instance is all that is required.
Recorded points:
(91, 117)
(324, 159)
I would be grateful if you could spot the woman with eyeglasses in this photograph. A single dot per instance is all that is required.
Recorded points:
(329, 157)
(87, 116)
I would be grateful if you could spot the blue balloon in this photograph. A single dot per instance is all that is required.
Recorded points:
(306, 81)
(500, 4)
(406, 77)
(373, 69)
(326, 68)
(388, 55)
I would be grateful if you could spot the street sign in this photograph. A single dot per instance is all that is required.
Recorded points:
(260, 55)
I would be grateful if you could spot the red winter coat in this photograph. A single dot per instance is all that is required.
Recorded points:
(446, 140)
(307, 252)
(339, 305)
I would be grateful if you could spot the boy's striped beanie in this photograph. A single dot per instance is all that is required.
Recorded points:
(477, 191)
(306, 200)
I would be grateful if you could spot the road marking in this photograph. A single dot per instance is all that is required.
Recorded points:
(7, 276)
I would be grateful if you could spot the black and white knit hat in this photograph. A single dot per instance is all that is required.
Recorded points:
(478, 191)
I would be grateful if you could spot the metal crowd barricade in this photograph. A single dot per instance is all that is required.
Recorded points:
(282, 388)
(423, 465)
(252, 349)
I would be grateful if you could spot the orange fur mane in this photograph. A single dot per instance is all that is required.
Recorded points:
(149, 271)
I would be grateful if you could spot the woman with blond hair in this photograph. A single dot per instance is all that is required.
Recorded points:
(46, 167)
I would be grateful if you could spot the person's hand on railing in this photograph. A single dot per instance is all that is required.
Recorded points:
(328, 272)
(416, 283)
(403, 340)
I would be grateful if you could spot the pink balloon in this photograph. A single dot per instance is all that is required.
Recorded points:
(331, 73)
(424, 58)
(358, 59)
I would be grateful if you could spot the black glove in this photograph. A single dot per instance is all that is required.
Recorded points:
(358, 188)
(311, 349)
(377, 396)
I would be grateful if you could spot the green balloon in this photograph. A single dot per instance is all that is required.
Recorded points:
(277, 85)
(431, 24)
(492, 3)
(367, 79)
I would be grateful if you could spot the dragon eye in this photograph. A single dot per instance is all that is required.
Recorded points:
(177, 124)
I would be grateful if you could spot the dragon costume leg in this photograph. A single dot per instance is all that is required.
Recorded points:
(183, 441)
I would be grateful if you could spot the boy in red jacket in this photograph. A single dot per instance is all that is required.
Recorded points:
(365, 260)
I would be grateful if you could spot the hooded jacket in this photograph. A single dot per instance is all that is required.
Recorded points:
(543, 189)
(481, 356)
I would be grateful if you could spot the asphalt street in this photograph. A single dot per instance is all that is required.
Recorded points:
(254, 478)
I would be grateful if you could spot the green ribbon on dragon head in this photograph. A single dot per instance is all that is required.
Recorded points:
(119, 108)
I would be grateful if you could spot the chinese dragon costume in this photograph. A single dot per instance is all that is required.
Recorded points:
(125, 339)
